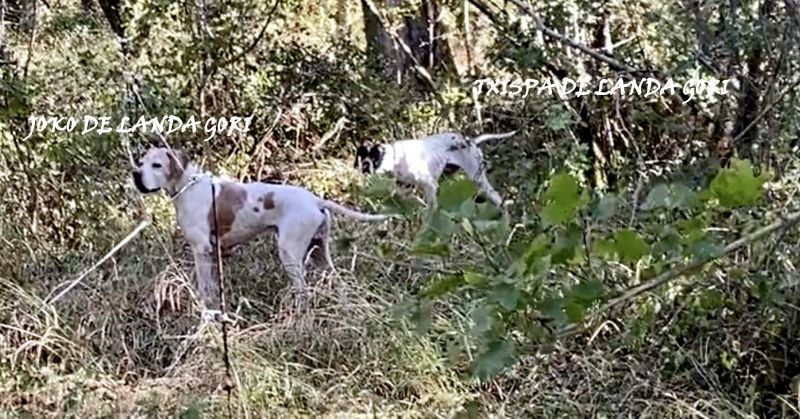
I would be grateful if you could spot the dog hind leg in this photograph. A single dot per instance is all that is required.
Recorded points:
(475, 168)
(319, 251)
(488, 189)
(294, 237)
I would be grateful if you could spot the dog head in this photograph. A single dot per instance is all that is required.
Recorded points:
(368, 157)
(159, 168)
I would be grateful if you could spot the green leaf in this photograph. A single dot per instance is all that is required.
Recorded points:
(379, 186)
(737, 186)
(474, 278)
(440, 287)
(453, 193)
(487, 227)
(193, 412)
(587, 292)
(482, 320)
(429, 242)
(421, 317)
(707, 249)
(431, 249)
(682, 196)
(537, 257)
(676, 195)
(562, 197)
(401, 204)
(498, 356)
(692, 230)
(442, 224)
(604, 247)
(658, 197)
(468, 209)
(554, 309)
(574, 311)
(507, 295)
(629, 246)
(564, 248)
(607, 207)
(669, 245)
(487, 211)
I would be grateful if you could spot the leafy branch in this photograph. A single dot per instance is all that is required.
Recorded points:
(782, 224)
(510, 290)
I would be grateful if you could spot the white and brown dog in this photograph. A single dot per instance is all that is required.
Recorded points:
(243, 211)
(421, 162)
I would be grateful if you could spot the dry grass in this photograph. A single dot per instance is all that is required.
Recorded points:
(128, 342)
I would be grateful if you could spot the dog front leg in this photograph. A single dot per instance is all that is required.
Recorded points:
(430, 189)
(207, 282)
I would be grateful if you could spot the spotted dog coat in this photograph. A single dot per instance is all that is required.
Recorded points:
(244, 211)
(421, 162)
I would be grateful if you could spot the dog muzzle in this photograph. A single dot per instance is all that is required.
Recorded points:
(367, 166)
(137, 180)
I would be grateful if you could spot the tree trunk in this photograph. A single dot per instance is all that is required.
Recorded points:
(753, 83)
(380, 48)
(421, 31)
(434, 50)
(113, 16)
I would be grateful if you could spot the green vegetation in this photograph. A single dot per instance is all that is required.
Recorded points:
(648, 267)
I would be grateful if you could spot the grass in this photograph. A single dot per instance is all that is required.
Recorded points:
(128, 343)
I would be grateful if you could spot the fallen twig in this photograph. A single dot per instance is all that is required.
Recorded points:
(108, 255)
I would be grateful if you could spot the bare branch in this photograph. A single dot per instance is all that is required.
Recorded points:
(617, 65)
(766, 110)
(255, 40)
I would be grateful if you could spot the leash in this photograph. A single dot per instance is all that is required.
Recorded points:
(228, 384)
(194, 179)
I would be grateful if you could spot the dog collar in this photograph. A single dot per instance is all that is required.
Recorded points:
(194, 179)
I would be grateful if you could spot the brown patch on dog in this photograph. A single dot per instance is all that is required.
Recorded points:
(178, 160)
(230, 200)
(267, 200)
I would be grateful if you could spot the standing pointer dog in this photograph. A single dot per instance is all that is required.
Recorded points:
(421, 162)
(244, 211)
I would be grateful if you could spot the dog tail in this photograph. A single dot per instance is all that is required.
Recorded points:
(324, 203)
(485, 137)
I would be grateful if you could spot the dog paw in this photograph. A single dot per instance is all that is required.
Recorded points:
(210, 316)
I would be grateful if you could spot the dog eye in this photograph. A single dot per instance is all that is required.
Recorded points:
(156, 165)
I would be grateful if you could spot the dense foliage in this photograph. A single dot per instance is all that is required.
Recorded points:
(647, 266)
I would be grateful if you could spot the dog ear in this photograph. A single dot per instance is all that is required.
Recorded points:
(178, 160)
(362, 152)
(376, 153)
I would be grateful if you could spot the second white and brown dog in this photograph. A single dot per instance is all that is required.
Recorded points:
(421, 162)
(243, 211)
